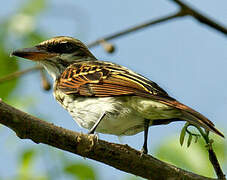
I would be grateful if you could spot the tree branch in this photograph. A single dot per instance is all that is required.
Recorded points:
(209, 145)
(138, 27)
(200, 17)
(119, 156)
(184, 11)
(19, 73)
(214, 161)
(101, 40)
(212, 155)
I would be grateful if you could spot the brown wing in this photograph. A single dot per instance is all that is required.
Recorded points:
(103, 79)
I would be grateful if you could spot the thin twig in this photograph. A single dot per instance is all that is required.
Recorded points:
(214, 161)
(137, 27)
(45, 83)
(185, 10)
(19, 73)
(97, 42)
(212, 155)
(200, 17)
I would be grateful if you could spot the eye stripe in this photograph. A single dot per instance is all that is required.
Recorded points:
(62, 47)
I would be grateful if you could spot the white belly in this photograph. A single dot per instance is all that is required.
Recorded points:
(119, 119)
(123, 116)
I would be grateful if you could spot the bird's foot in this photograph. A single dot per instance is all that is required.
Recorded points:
(143, 151)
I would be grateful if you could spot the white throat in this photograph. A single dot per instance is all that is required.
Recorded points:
(56, 66)
(53, 70)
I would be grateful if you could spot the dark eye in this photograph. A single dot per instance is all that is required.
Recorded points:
(66, 47)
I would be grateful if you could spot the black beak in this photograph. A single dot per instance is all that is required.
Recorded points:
(34, 54)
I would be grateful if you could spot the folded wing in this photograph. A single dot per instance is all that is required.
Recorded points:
(104, 79)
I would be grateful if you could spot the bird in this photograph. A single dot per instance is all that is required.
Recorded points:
(105, 97)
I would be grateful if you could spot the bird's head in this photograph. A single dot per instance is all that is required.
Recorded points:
(56, 54)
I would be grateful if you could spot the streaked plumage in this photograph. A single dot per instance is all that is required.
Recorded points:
(87, 88)
(105, 79)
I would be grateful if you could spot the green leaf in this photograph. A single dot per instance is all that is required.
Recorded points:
(80, 171)
(133, 177)
(189, 140)
(196, 138)
(33, 7)
(27, 158)
(33, 38)
(195, 158)
(7, 65)
(182, 135)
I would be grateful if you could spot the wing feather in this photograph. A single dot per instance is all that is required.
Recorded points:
(104, 79)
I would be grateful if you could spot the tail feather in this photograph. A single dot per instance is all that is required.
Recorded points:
(193, 116)
(200, 121)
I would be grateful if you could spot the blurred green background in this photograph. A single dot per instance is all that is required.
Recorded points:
(187, 59)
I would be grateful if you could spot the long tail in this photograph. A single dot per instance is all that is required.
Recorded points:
(193, 116)
(200, 120)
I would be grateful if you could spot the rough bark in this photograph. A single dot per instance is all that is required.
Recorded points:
(119, 156)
